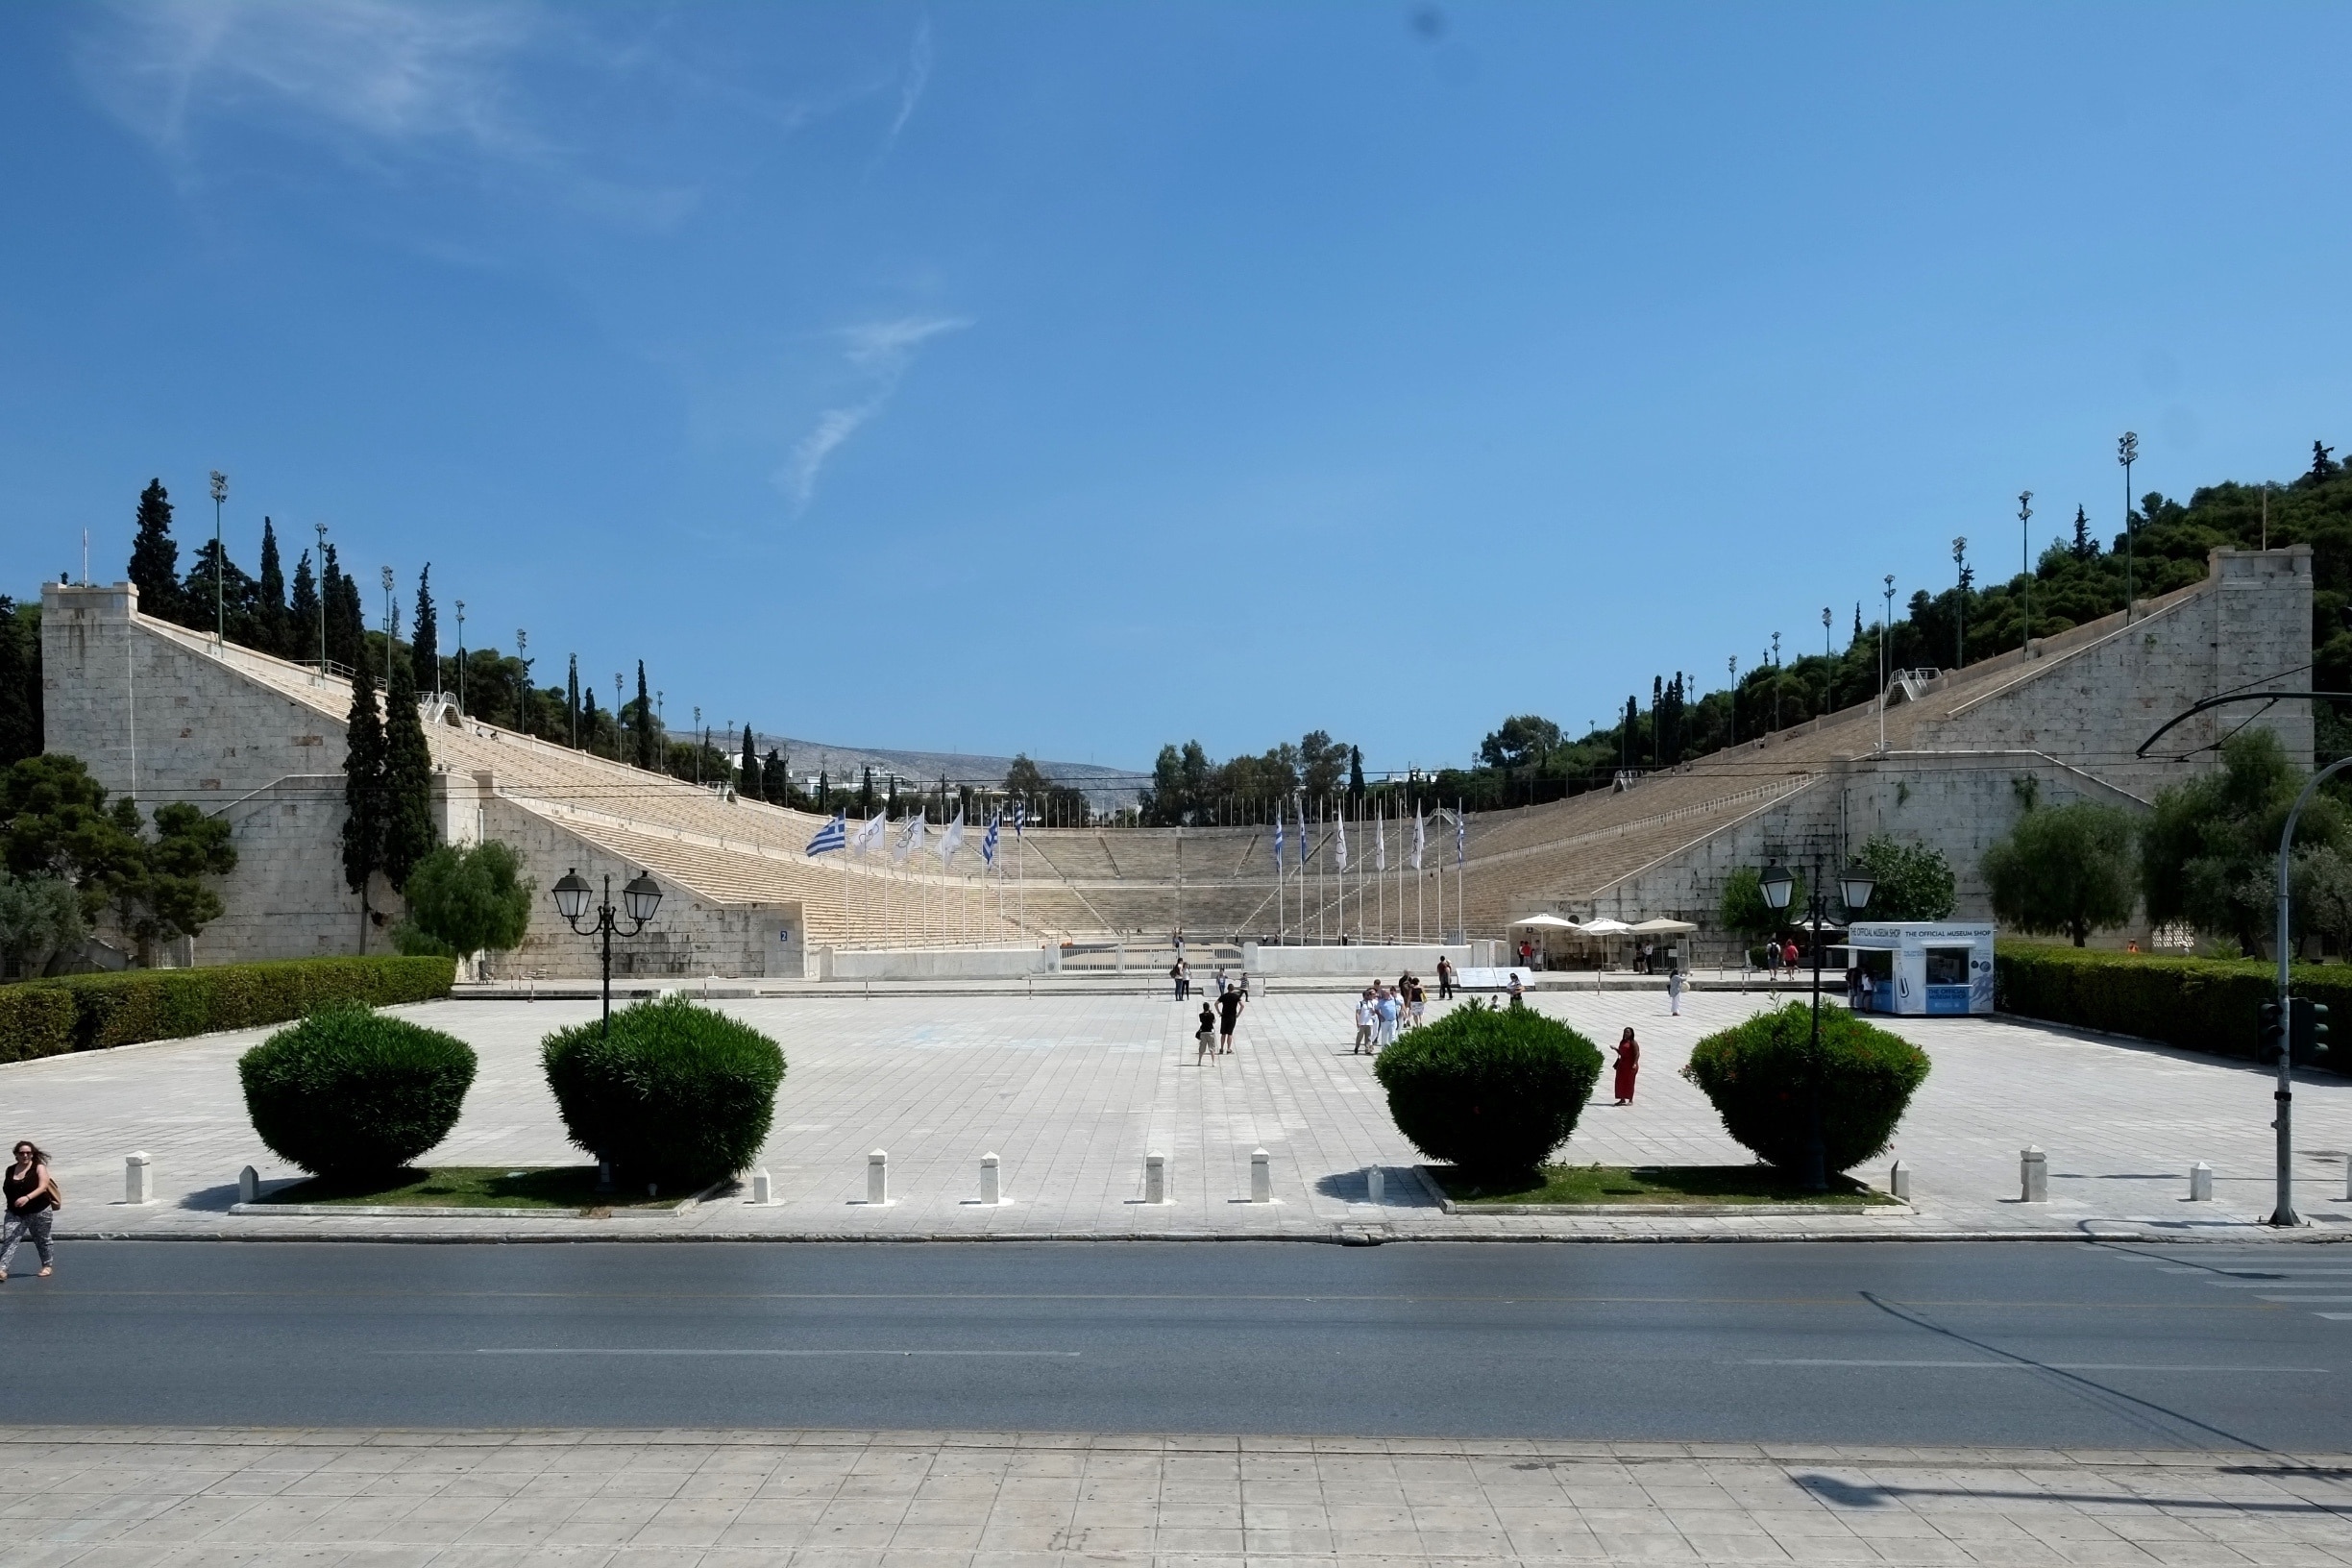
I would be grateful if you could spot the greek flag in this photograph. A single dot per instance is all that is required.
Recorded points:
(870, 833)
(1020, 817)
(988, 843)
(834, 835)
(1278, 841)
(1461, 835)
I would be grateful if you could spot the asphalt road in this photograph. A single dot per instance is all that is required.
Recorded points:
(2080, 1345)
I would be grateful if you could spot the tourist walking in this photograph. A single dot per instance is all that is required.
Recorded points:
(1364, 1016)
(1788, 958)
(1416, 998)
(1219, 981)
(1514, 989)
(1445, 978)
(1229, 1014)
(32, 1202)
(1204, 1038)
(1674, 991)
(1183, 978)
(1385, 1034)
(1629, 1064)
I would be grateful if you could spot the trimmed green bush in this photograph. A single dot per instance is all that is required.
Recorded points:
(35, 1020)
(1491, 1091)
(678, 1094)
(2199, 1004)
(1755, 1074)
(349, 1093)
(165, 1004)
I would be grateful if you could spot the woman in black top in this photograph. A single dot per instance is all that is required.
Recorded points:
(32, 1202)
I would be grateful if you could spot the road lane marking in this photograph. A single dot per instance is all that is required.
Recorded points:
(2305, 1301)
(596, 1350)
(2036, 1366)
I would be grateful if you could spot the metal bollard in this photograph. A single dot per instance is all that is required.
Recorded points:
(248, 1186)
(1899, 1183)
(136, 1185)
(878, 1177)
(1261, 1176)
(763, 1190)
(1155, 1178)
(2033, 1175)
(1374, 1184)
(2200, 1183)
(991, 1186)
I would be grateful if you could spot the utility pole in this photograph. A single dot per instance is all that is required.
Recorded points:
(2127, 452)
(2025, 560)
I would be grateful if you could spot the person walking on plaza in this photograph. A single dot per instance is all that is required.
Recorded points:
(1445, 978)
(1416, 998)
(1674, 991)
(1183, 978)
(32, 1202)
(1229, 1014)
(1364, 1016)
(1515, 991)
(1788, 957)
(1204, 1038)
(1218, 981)
(1629, 1064)
(1385, 1034)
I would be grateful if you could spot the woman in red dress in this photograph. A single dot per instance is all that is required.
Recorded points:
(1628, 1064)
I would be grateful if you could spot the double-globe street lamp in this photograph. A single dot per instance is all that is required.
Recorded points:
(1856, 888)
(641, 897)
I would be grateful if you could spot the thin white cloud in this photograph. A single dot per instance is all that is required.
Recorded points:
(880, 353)
(911, 86)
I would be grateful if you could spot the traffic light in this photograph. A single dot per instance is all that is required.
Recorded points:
(2273, 1034)
(2308, 1027)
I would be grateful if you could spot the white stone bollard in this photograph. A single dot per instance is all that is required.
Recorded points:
(878, 1177)
(1155, 1178)
(1899, 1183)
(248, 1186)
(991, 1186)
(1375, 1183)
(763, 1189)
(2200, 1183)
(137, 1186)
(1261, 1176)
(2033, 1175)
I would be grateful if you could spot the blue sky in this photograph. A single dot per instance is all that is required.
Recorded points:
(1073, 378)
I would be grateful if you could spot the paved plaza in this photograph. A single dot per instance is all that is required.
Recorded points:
(159, 1498)
(1072, 1091)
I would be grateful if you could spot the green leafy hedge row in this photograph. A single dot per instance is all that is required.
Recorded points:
(2199, 1004)
(35, 1020)
(164, 1004)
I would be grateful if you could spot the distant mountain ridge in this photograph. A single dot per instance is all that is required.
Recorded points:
(1106, 788)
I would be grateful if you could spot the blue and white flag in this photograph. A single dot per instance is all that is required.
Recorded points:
(834, 835)
(1278, 841)
(1461, 836)
(988, 843)
(870, 833)
(1020, 817)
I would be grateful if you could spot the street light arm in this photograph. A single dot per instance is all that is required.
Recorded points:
(2221, 701)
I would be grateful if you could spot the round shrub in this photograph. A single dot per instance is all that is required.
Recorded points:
(349, 1093)
(678, 1095)
(1491, 1091)
(1756, 1075)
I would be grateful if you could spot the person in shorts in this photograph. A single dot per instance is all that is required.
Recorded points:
(1229, 1016)
(1364, 1018)
(1204, 1038)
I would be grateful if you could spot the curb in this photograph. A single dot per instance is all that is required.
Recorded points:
(1339, 1236)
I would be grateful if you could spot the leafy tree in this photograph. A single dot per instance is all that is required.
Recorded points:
(1024, 780)
(302, 630)
(425, 639)
(267, 612)
(1322, 762)
(155, 557)
(20, 681)
(58, 823)
(365, 808)
(466, 900)
(776, 779)
(234, 611)
(1914, 881)
(408, 779)
(1742, 908)
(643, 721)
(2208, 852)
(172, 897)
(2069, 870)
(1521, 740)
(40, 918)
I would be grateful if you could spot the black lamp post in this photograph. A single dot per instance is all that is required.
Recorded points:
(1856, 886)
(642, 897)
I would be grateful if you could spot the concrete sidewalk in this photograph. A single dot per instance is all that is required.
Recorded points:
(1072, 1090)
(144, 1498)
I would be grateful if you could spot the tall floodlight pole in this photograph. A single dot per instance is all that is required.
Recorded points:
(1776, 669)
(2127, 452)
(461, 659)
(1960, 602)
(2025, 560)
(1730, 664)
(387, 579)
(522, 681)
(321, 595)
(220, 604)
(1886, 624)
(1829, 675)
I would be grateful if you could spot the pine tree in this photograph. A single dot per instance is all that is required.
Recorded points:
(748, 783)
(1356, 782)
(155, 559)
(776, 780)
(1857, 632)
(2085, 547)
(346, 619)
(866, 802)
(269, 609)
(572, 701)
(825, 791)
(892, 808)
(424, 637)
(2323, 463)
(302, 640)
(408, 778)
(645, 721)
(232, 612)
(363, 789)
(20, 682)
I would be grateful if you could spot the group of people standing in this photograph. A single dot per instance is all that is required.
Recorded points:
(1220, 1016)
(1382, 1008)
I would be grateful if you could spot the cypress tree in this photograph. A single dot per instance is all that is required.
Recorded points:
(572, 696)
(645, 721)
(346, 620)
(775, 781)
(302, 630)
(749, 781)
(20, 681)
(269, 609)
(893, 807)
(425, 638)
(408, 778)
(363, 790)
(866, 793)
(155, 558)
(1355, 783)
(825, 791)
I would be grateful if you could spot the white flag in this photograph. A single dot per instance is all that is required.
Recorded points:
(870, 833)
(952, 840)
(1339, 844)
(1417, 841)
(910, 839)
(1380, 841)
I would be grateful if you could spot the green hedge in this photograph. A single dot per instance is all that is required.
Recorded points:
(678, 1094)
(164, 1004)
(35, 1020)
(1490, 1090)
(2199, 1004)
(1758, 1076)
(350, 1093)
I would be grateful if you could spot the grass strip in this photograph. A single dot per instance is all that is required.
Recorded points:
(1664, 1186)
(478, 1187)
